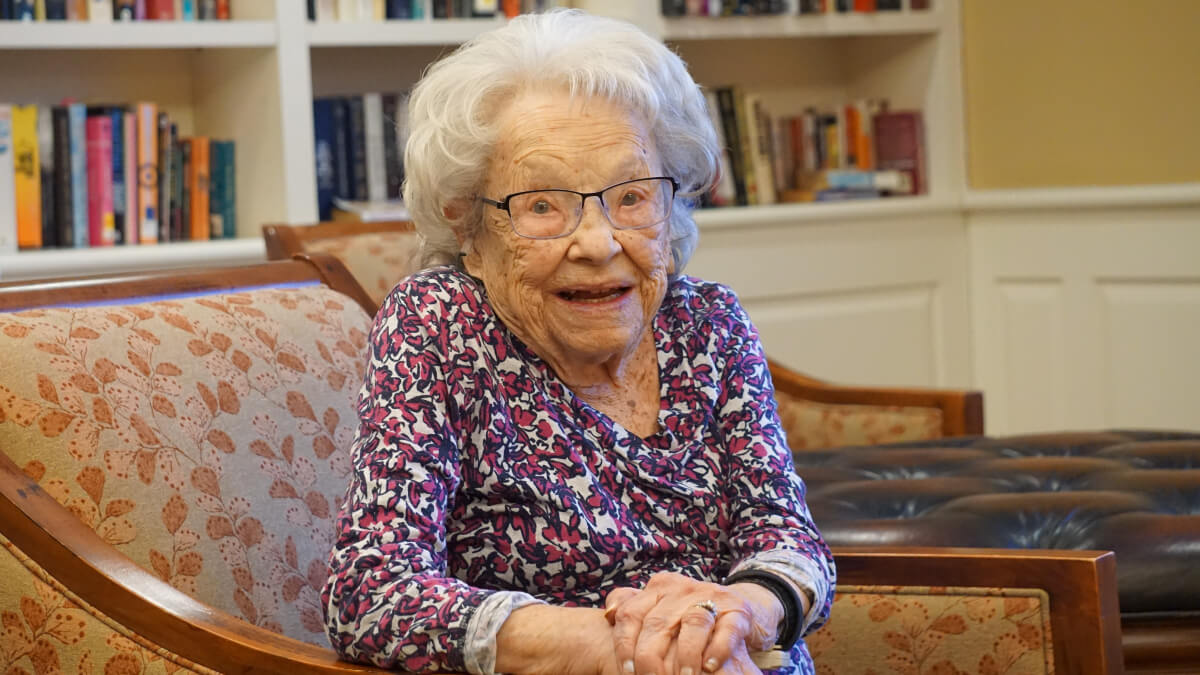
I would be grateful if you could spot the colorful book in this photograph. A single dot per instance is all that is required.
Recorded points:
(185, 189)
(900, 144)
(175, 227)
(101, 225)
(64, 201)
(28, 171)
(130, 228)
(323, 156)
(77, 10)
(8, 184)
(216, 190)
(46, 159)
(198, 177)
(164, 177)
(399, 9)
(187, 10)
(147, 154)
(228, 169)
(747, 142)
(23, 10)
(725, 100)
(723, 193)
(120, 189)
(100, 11)
(77, 122)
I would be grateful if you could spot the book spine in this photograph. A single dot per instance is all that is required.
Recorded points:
(223, 12)
(358, 147)
(129, 137)
(77, 10)
(77, 119)
(725, 96)
(28, 171)
(229, 181)
(56, 10)
(347, 10)
(764, 157)
(185, 188)
(124, 10)
(900, 145)
(164, 177)
(175, 218)
(323, 156)
(326, 10)
(341, 149)
(147, 132)
(101, 227)
(24, 10)
(198, 183)
(45, 128)
(747, 143)
(100, 11)
(723, 193)
(216, 189)
(120, 190)
(373, 133)
(394, 167)
(8, 183)
(187, 10)
(64, 201)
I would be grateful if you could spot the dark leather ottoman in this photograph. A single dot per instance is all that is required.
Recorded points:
(1133, 492)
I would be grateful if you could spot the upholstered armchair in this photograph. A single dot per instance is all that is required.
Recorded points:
(377, 254)
(173, 448)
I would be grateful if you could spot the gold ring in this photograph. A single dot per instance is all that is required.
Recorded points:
(708, 606)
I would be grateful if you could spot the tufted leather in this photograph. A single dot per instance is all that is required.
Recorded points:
(1133, 492)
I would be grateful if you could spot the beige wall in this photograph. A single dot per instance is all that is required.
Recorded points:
(1082, 92)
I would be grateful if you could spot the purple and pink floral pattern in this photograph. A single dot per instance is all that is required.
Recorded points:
(477, 470)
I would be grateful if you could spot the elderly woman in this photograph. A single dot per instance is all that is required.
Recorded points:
(556, 422)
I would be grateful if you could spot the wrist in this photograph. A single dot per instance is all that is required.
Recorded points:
(552, 639)
(767, 611)
(789, 627)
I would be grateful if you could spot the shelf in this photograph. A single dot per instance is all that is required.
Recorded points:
(137, 35)
(821, 212)
(398, 33)
(826, 25)
(79, 261)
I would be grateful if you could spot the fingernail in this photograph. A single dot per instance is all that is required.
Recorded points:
(685, 671)
(711, 665)
(627, 666)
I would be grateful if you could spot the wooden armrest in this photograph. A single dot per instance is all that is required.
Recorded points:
(100, 575)
(962, 411)
(1084, 613)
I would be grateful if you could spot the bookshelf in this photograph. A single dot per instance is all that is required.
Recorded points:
(253, 79)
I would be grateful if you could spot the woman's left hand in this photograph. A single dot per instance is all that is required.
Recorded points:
(666, 628)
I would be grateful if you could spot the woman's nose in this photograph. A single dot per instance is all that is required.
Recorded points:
(593, 239)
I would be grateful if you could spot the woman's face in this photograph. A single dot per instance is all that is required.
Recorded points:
(587, 298)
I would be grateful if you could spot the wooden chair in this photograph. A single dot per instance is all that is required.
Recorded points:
(377, 254)
(817, 414)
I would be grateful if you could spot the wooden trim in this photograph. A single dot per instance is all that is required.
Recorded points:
(1082, 585)
(962, 411)
(285, 241)
(60, 291)
(77, 557)
(1161, 644)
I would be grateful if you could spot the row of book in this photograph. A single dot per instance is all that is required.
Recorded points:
(722, 8)
(107, 11)
(358, 149)
(859, 150)
(77, 176)
(383, 10)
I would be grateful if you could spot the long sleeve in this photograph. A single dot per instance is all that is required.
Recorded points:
(770, 527)
(389, 599)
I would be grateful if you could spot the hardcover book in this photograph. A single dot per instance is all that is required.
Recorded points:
(77, 124)
(900, 145)
(323, 156)
(198, 177)
(27, 167)
(45, 128)
(64, 201)
(147, 154)
(101, 226)
(373, 133)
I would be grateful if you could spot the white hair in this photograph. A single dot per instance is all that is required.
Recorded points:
(452, 116)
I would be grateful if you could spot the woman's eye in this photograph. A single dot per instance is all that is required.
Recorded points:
(630, 199)
(541, 207)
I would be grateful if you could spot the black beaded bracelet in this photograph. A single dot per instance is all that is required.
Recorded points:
(789, 633)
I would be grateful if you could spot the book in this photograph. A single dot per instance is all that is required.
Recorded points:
(900, 144)
(759, 124)
(101, 226)
(129, 137)
(723, 193)
(28, 172)
(160, 10)
(187, 10)
(77, 123)
(175, 228)
(747, 142)
(8, 183)
(725, 97)
(373, 138)
(229, 185)
(357, 137)
(45, 130)
(325, 10)
(100, 11)
(56, 10)
(77, 10)
(347, 10)
(120, 188)
(147, 154)
(124, 10)
(323, 148)
(185, 189)
(890, 181)
(64, 201)
(23, 10)
(341, 149)
(216, 190)
(393, 145)
(165, 150)
(197, 180)
(222, 11)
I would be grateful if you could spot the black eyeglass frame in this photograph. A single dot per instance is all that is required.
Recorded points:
(503, 205)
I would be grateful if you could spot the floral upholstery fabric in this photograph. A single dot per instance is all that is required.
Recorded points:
(811, 425)
(46, 629)
(206, 438)
(377, 260)
(877, 630)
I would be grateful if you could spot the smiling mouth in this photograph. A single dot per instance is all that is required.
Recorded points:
(594, 295)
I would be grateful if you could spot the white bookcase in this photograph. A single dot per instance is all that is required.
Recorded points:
(252, 80)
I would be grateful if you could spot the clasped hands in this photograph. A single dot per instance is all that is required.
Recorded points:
(677, 625)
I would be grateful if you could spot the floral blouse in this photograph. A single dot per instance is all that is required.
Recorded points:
(482, 483)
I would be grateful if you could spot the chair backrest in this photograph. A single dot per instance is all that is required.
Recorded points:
(198, 421)
(377, 254)
(949, 610)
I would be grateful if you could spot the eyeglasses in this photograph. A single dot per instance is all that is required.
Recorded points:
(550, 214)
